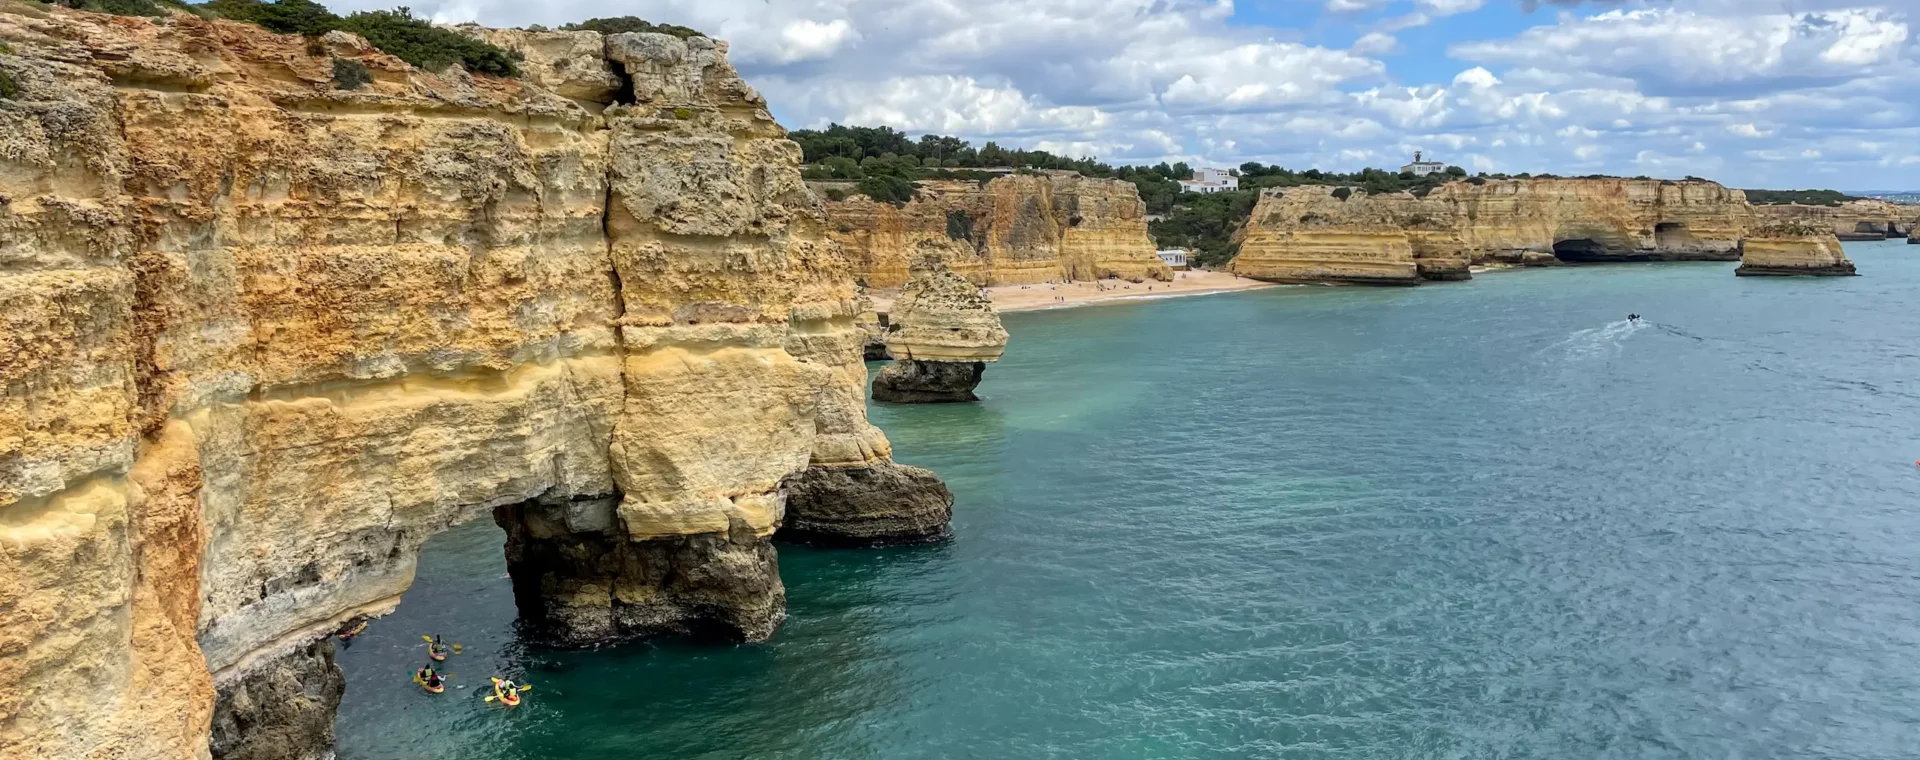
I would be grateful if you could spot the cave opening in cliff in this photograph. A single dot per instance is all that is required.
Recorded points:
(1669, 235)
(1580, 250)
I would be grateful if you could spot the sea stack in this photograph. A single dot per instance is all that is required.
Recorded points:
(1787, 249)
(943, 333)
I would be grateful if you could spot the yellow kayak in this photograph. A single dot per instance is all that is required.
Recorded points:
(508, 698)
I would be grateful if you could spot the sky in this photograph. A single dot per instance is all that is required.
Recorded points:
(1754, 93)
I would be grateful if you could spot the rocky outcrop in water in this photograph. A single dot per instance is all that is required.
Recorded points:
(943, 334)
(281, 709)
(1013, 230)
(1860, 220)
(889, 503)
(1786, 249)
(266, 335)
(1325, 234)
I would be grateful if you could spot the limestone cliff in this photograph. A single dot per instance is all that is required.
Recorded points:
(265, 336)
(1789, 248)
(943, 335)
(1324, 234)
(1013, 230)
(1852, 220)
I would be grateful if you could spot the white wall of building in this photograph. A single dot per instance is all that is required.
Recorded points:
(1210, 181)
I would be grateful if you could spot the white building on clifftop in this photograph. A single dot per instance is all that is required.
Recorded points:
(1210, 181)
(1423, 168)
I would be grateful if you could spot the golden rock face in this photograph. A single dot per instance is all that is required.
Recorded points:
(264, 337)
(1313, 234)
(1786, 248)
(942, 317)
(1853, 220)
(1014, 230)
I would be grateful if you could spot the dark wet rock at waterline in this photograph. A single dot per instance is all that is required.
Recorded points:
(942, 332)
(910, 381)
(580, 579)
(280, 709)
(888, 503)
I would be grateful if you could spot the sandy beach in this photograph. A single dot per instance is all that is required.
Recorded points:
(1065, 295)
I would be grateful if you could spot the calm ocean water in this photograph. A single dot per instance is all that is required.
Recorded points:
(1483, 520)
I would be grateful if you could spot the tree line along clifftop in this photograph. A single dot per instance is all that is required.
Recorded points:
(884, 163)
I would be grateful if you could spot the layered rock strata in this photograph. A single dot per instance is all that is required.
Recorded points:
(873, 330)
(265, 336)
(1860, 220)
(1326, 234)
(1013, 230)
(1791, 249)
(943, 334)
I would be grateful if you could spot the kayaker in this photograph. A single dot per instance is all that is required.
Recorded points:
(426, 674)
(436, 649)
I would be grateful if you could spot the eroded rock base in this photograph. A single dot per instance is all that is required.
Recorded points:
(579, 580)
(913, 381)
(1843, 269)
(1452, 270)
(282, 709)
(886, 504)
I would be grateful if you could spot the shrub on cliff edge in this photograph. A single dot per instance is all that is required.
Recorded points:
(115, 7)
(426, 46)
(350, 75)
(959, 225)
(286, 16)
(620, 24)
(395, 32)
(887, 188)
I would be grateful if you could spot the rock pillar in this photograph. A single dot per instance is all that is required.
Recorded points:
(943, 333)
(579, 580)
(1787, 249)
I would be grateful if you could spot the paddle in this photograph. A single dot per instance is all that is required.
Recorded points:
(429, 640)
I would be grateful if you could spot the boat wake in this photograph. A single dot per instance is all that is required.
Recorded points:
(1597, 342)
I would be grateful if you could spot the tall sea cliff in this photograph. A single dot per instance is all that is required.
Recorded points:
(1013, 230)
(1327, 234)
(267, 332)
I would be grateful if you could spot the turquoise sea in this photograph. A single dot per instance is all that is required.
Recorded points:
(1474, 520)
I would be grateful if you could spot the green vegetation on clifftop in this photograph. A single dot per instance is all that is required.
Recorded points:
(396, 32)
(1808, 197)
(1203, 223)
(620, 24)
